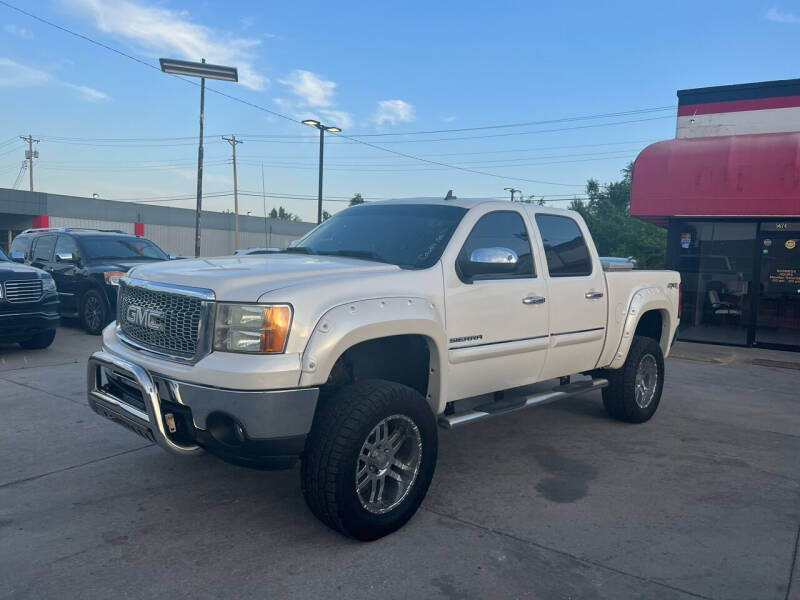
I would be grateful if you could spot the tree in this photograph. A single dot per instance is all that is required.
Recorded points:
(615, 232)
(357, 199)
(283, 214)
(325, 215)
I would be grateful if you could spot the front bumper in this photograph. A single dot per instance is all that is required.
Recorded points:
(25, 324)
(247, 427)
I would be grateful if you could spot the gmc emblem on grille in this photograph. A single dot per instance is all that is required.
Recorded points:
(145, 317)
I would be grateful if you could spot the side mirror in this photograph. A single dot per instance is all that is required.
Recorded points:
(65, 257)
(18, 256)
(489, 261)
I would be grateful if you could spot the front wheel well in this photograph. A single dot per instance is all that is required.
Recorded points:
(404, 359)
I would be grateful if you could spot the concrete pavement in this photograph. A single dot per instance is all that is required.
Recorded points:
(556, 502)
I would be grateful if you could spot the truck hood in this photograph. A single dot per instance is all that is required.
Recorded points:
(246, 278)
(12, 270)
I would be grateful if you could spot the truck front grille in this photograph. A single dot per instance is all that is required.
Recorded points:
(165, 322)
(23, 290)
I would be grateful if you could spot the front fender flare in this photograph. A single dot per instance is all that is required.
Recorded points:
(346, 325)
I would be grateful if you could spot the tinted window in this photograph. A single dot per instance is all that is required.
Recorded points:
(412, 236)
(43, 248)
(501, 229)
(21, 244)
(564, 246)
(66, 245)
(3, 257)
(123, 248)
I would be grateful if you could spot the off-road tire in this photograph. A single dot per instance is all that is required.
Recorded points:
(40, 341)
(93, 323)
(619, 397)
(341, 426)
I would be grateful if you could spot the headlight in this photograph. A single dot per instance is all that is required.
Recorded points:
(48, 284)
(255, 328)
(112, 277)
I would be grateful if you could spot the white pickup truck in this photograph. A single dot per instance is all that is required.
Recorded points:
(347, 349)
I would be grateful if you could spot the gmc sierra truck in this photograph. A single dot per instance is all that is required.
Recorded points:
(390, 318)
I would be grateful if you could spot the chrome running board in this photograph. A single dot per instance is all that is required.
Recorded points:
(501, 407)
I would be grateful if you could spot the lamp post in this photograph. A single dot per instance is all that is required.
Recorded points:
(513, 191)
(203, 71)
(322, 129)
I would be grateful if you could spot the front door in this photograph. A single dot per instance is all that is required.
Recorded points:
(499, 319)
(778, 314)
(64, 272)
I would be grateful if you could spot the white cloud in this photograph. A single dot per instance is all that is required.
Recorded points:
(171, 32)
(17, 30)
(449, 119)
(777, 16)
(313, 99)
(312, 89)
(394, 112)
(89, 94)
(17, 75)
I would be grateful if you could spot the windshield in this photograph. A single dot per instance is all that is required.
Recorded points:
(3, 257)
(412, 236)
(121, 248)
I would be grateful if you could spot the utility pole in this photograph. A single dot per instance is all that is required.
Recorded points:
(30, 154)
(233, 141)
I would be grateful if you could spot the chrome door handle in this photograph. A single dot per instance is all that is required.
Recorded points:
(534, 300)
(593, 295)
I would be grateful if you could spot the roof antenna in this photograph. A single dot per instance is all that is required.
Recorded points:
(449, 195)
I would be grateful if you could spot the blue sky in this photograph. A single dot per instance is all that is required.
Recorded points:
(370, 68)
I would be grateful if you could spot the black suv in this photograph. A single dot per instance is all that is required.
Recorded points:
(28, 305)
(86, 265)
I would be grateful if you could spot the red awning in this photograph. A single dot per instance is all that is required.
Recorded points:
(736, 175)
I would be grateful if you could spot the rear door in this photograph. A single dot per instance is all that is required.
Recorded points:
(577, 295)
(496, 324)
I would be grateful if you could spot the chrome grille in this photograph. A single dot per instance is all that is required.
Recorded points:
(23, 290)
(180, 318)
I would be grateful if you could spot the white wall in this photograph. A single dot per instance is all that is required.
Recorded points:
(180, 240)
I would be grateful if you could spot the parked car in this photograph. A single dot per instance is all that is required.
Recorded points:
(388, 318)
(86, 265)
(247, 251)
(28, 305)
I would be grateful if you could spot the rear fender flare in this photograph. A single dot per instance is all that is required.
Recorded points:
(644, 300)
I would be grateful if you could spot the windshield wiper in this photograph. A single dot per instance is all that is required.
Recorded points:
(364, 254)
(299, 250)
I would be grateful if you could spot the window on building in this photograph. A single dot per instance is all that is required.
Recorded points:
(564, 246)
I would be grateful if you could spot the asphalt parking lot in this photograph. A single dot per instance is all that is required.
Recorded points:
(556, 502)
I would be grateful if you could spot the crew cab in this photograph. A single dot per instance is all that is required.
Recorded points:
(28, 305)
(86, 265)
(348, 348)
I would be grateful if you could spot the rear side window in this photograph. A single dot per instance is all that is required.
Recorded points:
(564, 246)
(22, 244)
(502, 229)
(43, 248)
(66, 245)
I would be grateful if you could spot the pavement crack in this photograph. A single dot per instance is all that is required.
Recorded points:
(9, 484)
(794, 565)
(566, 554)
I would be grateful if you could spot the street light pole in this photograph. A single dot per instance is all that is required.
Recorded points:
(513, 191)
(203, 71)
(322, 129)
(199, 206)
(319, 177)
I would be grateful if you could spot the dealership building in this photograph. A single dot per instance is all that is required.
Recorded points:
(171, 228)
(727, 189)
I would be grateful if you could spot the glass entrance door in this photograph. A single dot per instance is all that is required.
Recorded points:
(778, 315)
